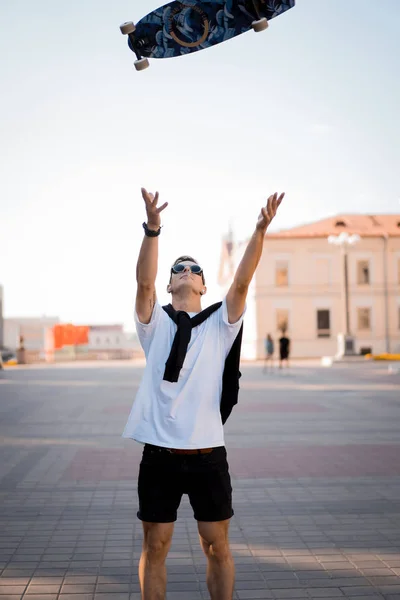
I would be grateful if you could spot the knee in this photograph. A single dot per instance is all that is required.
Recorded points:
(155, 550)
(217, 551)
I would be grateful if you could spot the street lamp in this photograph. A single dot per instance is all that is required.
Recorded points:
(344, 241)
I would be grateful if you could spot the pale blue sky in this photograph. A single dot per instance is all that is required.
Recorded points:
(309, 107)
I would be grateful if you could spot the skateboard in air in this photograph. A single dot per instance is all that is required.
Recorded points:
(179, 28)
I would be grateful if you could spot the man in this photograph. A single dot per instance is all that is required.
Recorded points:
(176, 413)
(284, 349)
(269, 352)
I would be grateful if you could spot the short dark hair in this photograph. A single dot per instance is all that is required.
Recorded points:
(184, 258)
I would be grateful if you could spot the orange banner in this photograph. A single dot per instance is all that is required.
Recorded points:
(70, 335)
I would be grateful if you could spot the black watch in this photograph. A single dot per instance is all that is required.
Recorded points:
(151, 232)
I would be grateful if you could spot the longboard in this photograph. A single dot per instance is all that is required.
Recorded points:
(180, 28)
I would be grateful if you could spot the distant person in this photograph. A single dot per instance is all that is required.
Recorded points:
(284, 349)
(269, 352)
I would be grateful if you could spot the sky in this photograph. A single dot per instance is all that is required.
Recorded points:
(309, 107)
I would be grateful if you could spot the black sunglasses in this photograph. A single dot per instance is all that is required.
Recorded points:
(179, 268)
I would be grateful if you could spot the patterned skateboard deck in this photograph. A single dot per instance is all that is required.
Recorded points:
(179, 28)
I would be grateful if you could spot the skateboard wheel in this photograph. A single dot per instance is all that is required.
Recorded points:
(141, 64)
(127, 28)
(260, 25)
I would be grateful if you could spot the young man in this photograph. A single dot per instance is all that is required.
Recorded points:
(269, 352)
(176, 413)
(284, 349)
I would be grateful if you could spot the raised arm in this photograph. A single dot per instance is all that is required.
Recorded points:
(146, 268)
(236, 297)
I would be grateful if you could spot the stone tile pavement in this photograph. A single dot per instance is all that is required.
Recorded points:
(315, 461)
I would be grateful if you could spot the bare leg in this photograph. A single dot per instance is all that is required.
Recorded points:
(157, 539)
(221, 569)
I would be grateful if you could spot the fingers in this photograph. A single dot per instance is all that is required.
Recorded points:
(281, 197)
(148, 197)
(269, 211)
(151, 201)
(162, 207)
(273, 203)
(271, 206)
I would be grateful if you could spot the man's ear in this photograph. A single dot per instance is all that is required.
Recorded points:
(168, 289)
(204, 291)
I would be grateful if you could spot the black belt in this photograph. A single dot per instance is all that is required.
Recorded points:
(181, 451)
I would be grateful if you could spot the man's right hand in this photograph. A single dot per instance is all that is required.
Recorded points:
(146, 270)
(153, 213)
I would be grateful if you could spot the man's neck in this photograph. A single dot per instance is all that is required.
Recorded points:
(189, 305)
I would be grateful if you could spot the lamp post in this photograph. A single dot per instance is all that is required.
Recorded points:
(385, 290)
(345, 340)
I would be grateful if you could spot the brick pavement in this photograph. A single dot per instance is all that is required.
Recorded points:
(315, 460)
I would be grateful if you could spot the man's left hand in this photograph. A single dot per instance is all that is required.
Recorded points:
(269, 211)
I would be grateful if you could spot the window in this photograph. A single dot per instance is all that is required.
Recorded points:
(282, 319)
(363, 277)
(281, 273)
(364, 319)
(117, 340)
(98, 341)
(323, 323)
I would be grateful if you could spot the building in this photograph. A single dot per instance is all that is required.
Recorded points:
(299, 285)
(107, 337)
(105, 342)
(112, 341)
(1, 317)
(31, 329)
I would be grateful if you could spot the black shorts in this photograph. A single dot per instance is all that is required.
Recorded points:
(164, 477)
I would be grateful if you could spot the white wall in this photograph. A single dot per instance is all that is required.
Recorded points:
(32, 329)
(107, 340)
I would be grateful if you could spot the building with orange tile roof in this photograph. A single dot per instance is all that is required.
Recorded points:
(299, 284)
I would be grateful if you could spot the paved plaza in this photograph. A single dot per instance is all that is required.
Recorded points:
(315, 461)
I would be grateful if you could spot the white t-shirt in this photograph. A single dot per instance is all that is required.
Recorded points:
(185, 414)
